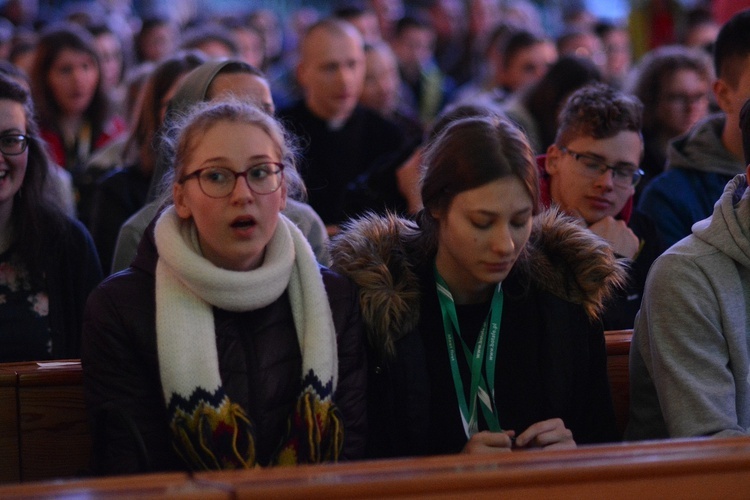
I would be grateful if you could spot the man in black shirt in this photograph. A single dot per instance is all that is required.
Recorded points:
(340, 140)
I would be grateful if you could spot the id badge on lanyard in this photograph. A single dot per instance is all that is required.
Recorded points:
(482, 388)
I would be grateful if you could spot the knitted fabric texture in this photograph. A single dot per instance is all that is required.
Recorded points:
(209, 430)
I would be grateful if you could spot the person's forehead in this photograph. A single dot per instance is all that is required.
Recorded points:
(417, 32)
(241, 85)
(624, 147)
(323, 44)
(535, 50)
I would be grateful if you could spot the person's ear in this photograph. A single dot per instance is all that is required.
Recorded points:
(551, 164)
(436, 214)
(723, 92)
(178, 196)
(747, 173)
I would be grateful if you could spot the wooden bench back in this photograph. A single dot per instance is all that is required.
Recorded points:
(44, 432)
(44, 413)
(618, 350)
(696, 468)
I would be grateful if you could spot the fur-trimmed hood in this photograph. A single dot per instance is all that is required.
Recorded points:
(380, 254)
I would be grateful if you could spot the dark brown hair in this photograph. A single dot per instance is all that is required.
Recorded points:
(143, 139)
(657, 67)
(598, 111)
(54, 40)
(545, 98)
(732, 48)
(35, 217)
(467, 154)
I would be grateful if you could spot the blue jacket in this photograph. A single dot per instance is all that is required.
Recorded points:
(698, 168)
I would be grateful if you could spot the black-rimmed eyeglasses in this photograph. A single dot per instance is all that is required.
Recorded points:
(623, 175)
(13, 144)
(219, 182)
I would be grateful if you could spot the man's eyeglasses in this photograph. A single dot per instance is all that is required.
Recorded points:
(685, 100)
(623, 175)
(219, 182)
(13, 144)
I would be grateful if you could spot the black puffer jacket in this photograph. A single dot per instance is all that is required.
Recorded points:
(259, 359)
(551, 360)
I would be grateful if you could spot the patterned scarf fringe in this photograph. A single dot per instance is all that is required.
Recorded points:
(222, 437)
(315, 432)
(213, 438)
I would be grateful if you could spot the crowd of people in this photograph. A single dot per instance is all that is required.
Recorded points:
(379, 230)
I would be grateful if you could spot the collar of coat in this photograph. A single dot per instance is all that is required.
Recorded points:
(379, 253)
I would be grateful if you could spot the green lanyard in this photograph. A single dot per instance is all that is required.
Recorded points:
(482, 386)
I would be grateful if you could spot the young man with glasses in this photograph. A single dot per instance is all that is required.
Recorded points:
(591, 172)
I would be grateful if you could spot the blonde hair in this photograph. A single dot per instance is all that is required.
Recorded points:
(205, 115)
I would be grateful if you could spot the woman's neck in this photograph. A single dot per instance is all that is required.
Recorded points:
(464, 288)
(69, 126)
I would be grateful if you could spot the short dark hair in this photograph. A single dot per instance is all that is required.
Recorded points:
(412, 21)
(546, 97)
(517, 41)
(598, 111)
(745, 127)
(732, 47)
(351, 10)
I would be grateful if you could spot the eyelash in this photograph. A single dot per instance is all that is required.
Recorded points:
(487, 225)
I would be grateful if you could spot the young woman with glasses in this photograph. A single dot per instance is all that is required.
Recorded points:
(482, 318)
(225, 330)
(48, 263)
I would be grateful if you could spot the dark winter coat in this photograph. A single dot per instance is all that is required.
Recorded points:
(551, 354)
(259, 361)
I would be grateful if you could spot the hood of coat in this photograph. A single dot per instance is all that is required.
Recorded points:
(192, 91)
(147, 255)
(728, 229)
(381, 254)
(701, 149)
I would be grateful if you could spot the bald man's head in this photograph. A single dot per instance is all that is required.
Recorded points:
(331, 69)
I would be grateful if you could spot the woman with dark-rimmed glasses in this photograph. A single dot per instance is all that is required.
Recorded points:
(225, 344)
(48, 263)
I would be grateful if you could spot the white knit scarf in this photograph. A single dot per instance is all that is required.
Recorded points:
(188, 285)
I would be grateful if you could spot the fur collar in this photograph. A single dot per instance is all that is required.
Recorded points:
(380, 254)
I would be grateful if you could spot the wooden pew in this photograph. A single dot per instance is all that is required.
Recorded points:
(53, 425)
(692, 468)
(167, 485)
(9, 456)
(697, 468)
(618, 350)
(703, 468)
(44, 402)
(42, 410)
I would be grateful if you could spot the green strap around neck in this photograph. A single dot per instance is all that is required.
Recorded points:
(482, 387)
